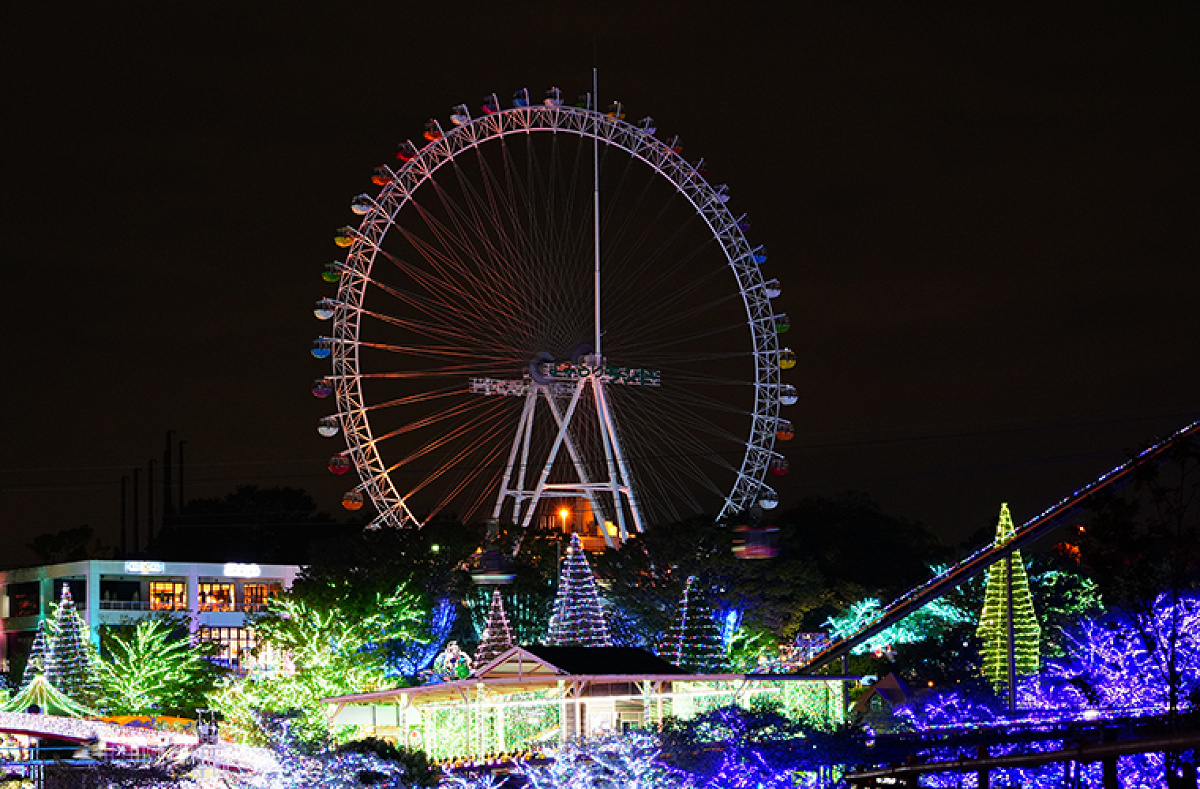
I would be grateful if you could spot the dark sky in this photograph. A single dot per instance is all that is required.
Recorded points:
(984, 219)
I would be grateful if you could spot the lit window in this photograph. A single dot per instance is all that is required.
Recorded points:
(216, 597)
(234, 644)
(168, 596)
(255, 596)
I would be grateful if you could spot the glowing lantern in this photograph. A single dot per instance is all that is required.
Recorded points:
(332, 272)
(787, 359)
(339, 464)
(322, 387)
(352, 501)
(778, 466)
(382, 176)
(322, 347)
(328, 426)
(324, 309)
(784, 430)
(788, 395)
(433, 130)
(344, 236)
(362, 204)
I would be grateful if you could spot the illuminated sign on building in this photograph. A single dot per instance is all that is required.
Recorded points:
(236, 570)
(145, 568)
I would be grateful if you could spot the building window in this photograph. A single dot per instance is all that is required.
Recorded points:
(168, 596)
(216, 597)
(255, 596)
(24, 599)
(234, 644)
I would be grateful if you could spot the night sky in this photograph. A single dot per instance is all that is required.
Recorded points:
(984, 220)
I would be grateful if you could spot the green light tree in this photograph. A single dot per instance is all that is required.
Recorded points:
(308, 652)
(155, 667)
(578, 619)
(70, 664)
(497, 635)
(694, 641)
(993, 628)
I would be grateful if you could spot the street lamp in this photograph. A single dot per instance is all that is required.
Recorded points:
(563, 513)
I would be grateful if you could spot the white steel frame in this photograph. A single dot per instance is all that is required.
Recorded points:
(376, 484)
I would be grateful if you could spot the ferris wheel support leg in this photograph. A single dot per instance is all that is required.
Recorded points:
(617, 470)
(580, 468)
(527, 516)
(514, 480)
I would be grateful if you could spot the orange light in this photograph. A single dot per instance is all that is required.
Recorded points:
(563, 513)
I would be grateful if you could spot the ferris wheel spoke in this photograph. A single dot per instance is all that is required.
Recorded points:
(678, 417)
(450, 436)
(457, 277)
(456, 460)
(413, 399)
(472, 475)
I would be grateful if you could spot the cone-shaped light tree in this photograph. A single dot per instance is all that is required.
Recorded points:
(497, 635)
(36, 664)
(694, 641)
(70, 660)
(993, 631)
(578, 619)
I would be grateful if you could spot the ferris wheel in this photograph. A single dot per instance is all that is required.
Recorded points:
(546, 314)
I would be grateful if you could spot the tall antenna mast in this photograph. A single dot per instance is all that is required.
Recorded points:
(596, 209)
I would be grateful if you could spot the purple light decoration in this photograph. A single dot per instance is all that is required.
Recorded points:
(1117, 666)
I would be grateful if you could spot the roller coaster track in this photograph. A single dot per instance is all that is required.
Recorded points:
(981, 559)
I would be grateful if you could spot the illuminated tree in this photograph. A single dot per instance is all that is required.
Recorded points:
(70, 664)
(409, 657)
(310, 652)
(578, 619)
(994, 628)
(35, 665)
(155, 667)
(694, 641)
(497, 635)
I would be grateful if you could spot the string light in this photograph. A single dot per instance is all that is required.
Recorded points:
(578, 619)
(694, 641)
(497, 635)
(993, 628)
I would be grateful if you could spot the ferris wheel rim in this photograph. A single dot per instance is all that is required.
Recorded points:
(406, 180)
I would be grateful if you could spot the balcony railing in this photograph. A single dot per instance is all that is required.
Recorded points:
(148, 605)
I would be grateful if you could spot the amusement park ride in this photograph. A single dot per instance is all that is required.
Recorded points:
(505, 343)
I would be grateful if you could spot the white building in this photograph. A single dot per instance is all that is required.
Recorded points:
(109, 592)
